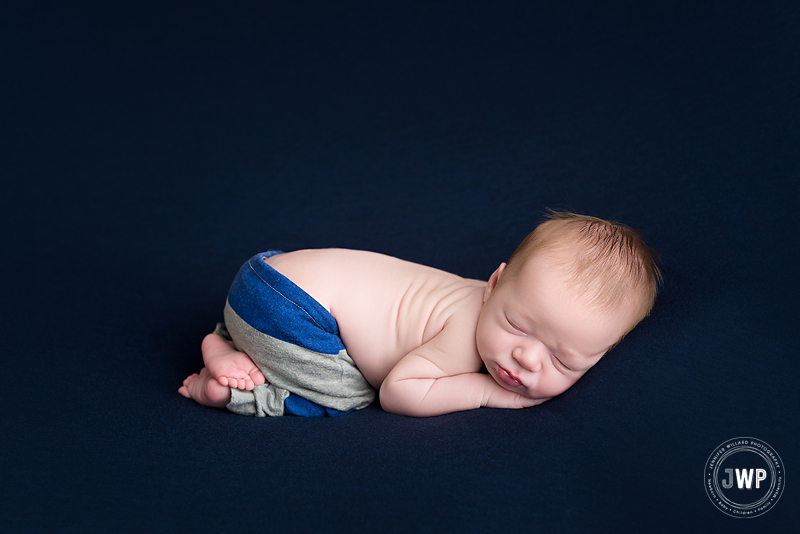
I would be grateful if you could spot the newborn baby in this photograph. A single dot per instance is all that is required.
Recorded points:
(317, 332)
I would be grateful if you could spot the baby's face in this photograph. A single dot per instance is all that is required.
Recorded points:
(536, 337)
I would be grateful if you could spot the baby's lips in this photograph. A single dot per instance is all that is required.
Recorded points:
(508, 378)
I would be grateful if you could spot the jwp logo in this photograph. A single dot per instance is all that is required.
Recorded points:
(744, 477)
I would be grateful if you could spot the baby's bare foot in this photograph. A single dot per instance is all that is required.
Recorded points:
(229, 366)
(204, 389)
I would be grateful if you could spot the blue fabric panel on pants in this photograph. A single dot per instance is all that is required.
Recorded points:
(297, 405)
(276, 306)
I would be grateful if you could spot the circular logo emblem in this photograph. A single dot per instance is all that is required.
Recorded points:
(744, 477)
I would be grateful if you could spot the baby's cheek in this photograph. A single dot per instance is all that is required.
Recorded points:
(568, 383)
(557, 385)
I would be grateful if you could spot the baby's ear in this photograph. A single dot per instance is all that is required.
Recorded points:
(493, 281)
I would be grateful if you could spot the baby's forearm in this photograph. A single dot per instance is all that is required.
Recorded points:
(423, 397)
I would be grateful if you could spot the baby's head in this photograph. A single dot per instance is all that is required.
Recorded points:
(569, 293)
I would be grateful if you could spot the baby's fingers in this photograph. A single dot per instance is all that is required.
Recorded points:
(525, 402)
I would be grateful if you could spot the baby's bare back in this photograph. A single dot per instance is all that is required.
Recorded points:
(385, 307)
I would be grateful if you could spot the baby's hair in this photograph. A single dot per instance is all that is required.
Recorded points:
(608, 263)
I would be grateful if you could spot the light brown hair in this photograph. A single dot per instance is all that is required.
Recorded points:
(608, 263)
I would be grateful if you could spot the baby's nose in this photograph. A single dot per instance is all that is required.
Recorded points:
(528, 359)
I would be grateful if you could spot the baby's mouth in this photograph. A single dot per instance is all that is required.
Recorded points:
(508, 378)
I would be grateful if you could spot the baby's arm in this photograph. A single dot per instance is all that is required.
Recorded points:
(436, 379)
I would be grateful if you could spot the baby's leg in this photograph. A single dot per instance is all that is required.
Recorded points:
(229, 366)
(204, 389)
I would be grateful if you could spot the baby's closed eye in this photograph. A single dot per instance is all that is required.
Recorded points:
(517, 330)
(559, 363)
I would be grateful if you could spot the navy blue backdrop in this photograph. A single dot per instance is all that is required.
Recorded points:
(146, 151)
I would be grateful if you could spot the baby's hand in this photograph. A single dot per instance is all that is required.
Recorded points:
(501, 398)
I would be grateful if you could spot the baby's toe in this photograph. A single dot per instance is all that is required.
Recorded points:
(257, 377)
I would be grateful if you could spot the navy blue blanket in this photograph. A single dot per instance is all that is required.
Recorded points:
(146, 151)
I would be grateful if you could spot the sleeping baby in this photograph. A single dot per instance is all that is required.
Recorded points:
(323, 332)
